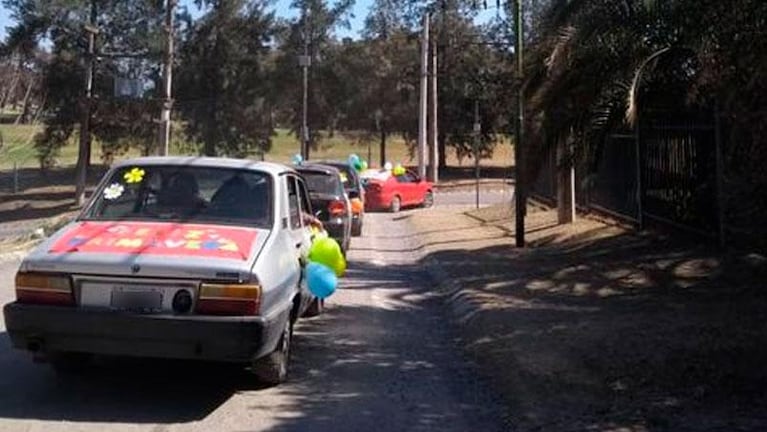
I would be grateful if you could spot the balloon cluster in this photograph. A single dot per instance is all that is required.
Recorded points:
(326, 265)
(396, 170)
(357, 163)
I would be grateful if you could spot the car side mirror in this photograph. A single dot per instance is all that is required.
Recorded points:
(353, 194)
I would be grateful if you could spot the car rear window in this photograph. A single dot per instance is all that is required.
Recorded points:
(322, 182)
(185, 194)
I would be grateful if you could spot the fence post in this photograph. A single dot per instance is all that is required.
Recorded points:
(719, 175)
(639, 191)
(565, 184)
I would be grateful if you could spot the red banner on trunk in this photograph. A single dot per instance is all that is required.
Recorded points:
(146, 238)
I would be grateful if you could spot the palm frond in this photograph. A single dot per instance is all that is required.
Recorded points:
(632, 108)
(559, 54)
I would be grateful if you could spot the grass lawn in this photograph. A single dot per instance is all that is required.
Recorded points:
(18, 148)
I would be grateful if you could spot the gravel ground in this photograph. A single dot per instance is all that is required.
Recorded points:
(382, 358)
(595, 328)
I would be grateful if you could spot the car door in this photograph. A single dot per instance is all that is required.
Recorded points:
(296, 207)
(419, 188)
(298, 203)
(405, 188)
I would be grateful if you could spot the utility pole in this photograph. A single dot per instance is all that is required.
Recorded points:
(424, 102)
(434, 147)
(167, 77)
(520, 190)
(477, 135)
(84, 153)
(305, 61)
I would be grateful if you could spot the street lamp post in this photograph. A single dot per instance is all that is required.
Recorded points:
(520, 190)
(304, 62)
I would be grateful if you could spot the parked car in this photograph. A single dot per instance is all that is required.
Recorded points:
(187, 258)
(352, 183)
(329, 201)
(385, 191)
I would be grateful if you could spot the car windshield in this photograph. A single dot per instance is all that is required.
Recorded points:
(322, 182)
(347, 177)
(185, 194)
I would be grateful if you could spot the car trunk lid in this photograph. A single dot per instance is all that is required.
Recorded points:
(151, 250)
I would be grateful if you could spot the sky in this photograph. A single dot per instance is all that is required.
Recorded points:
(357, 20)
(359, 12)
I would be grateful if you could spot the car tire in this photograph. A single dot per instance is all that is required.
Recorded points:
(396, 205)
(273, 368)
(428, 199)
(316, 308)
(69, 363)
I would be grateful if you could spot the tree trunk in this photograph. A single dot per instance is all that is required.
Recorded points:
(12, 87)
(24, 116)
(442, 150)
(40, 108)
(383, 148)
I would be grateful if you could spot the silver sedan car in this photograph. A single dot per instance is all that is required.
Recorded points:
(188, 258)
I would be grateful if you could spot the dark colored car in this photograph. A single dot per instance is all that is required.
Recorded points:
(329, 201)
(354, 190)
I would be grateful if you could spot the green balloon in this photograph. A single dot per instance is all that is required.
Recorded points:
(339, 266)
(357, 166)
(327, 251)
(364, 165)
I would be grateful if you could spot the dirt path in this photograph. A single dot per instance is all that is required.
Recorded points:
(600, 329)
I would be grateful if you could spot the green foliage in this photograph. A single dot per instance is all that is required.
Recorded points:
(224, 93)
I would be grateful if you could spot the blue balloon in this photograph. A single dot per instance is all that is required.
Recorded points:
(353, 159)
(321, 279)
(297, 159)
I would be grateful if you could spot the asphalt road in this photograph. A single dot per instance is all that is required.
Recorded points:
(382, 358)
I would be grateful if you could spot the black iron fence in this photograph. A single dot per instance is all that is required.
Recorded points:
(664, 171)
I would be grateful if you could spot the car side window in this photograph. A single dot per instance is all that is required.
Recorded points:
(306, 205)
(411, 177)
(293, 203)
(402, 178)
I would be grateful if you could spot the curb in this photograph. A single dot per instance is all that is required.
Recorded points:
(464, 184)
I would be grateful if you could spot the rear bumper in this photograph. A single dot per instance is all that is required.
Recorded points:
(43, 329)
(337, 228)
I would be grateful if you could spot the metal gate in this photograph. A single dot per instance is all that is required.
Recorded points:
(679, 171)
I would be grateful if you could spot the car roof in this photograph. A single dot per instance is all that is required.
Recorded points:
(208, 162)
(317, 168)
(376, 174)
(333, 163)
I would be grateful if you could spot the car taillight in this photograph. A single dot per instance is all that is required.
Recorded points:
(216, 299)
(43, 288)
(337, 208)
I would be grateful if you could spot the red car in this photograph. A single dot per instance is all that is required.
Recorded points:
(385, 191)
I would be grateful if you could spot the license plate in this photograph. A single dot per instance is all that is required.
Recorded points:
(137, 300)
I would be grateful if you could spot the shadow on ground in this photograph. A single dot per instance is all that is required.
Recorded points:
(602, 332)
(116, 390)
(390, 365)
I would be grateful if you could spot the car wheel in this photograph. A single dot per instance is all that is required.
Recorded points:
(428, 199)
(315, 308)
(273, 369)
(396, 205)
(70, 363)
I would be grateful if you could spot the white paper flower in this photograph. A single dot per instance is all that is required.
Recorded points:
(113, 191)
